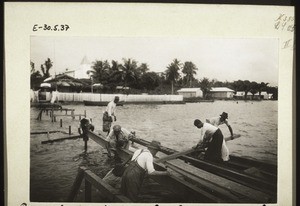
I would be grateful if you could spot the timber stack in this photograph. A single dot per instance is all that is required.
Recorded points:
(193, 180)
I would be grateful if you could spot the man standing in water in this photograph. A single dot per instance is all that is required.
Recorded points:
(216, 121)
(110, 115)
(118, 137)
(212, 139)
(140, 164)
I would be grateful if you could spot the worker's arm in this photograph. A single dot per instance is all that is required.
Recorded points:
(229, 127)
(150, 168)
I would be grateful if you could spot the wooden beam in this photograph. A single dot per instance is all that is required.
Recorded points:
(76, 185)
(178, 154)
(225, 188)
(107, 190)
(61, 139)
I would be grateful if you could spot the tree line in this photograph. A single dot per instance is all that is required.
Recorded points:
(139, 78)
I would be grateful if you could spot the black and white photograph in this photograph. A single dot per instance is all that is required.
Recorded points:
(157, 117)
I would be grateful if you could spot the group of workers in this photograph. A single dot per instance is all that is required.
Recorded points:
(141, 163)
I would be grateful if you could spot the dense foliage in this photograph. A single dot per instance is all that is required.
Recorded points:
(140, 79)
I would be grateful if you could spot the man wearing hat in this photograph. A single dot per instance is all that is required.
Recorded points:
(216, 121)
(212, 139)
(118, 137)
(110, 114)
(141, 164)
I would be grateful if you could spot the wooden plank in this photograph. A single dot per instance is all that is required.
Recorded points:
(76, 185)
(226, 188)
(107, 190)
(45, 132)
(234, 175)
(61, 139)
(222, 170)
(174, 184)
(178, 154)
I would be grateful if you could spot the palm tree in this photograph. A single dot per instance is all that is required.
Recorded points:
(189, 69)
(129, 69)
(172, 72)
(205, 86)
(143, 68)
(100, 71)
(48, 64)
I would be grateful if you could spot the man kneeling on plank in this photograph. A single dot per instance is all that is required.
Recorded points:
(212, 139)
(118, 137)
(140, 164)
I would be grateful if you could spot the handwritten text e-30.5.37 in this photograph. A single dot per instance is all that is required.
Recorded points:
(45, 27)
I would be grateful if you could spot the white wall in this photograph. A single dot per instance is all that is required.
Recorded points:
(80, 97)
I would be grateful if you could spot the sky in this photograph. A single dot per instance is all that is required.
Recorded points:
(254, 59)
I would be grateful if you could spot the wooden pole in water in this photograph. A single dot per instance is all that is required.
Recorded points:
(70, 130)
(85, 145)
(60, 122)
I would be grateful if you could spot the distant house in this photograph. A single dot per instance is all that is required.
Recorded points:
(83, 72)
(221, 93)
(241, 95)
(190, 92)
(66, 83)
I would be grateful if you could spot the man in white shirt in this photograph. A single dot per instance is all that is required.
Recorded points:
(216, 121)
(212, 139)
(118, 137)
(140, 165)
(110, 114)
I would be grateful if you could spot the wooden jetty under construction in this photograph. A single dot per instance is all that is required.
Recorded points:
(192, 180)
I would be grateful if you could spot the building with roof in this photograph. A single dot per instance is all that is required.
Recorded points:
(190, 92)
(221, 93)
(83, 72)
(66, 83)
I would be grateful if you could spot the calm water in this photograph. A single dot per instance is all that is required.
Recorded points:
(53, 167)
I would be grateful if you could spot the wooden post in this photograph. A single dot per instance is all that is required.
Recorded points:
(70, 130)
(76, 185)
(54, 118)
(79, 117)
(72, 113)
(88, 191)
(60, 122)
(85, 145)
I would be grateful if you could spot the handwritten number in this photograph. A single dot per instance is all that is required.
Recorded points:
(45, 27)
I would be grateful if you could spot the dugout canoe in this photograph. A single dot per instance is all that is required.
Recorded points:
(202, 181)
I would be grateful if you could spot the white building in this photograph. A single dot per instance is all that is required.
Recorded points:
(221, 93)
(83, 72)
(190, 92)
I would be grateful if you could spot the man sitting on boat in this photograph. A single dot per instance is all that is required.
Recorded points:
(217, 121)
(118, 137)
(141, 164)
(212, 139)
(110, 114)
